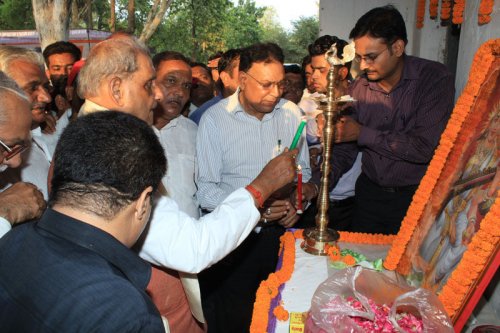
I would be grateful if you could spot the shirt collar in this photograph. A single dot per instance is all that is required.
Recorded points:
(234, 106)
(136, 270)
(90, 107)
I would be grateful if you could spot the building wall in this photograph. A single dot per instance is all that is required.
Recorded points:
(471, 38)
(434, 42)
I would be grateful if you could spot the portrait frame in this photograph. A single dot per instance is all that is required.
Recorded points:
(479, 262)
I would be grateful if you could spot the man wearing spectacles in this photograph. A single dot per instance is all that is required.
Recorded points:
(21, 201)
(236, 138)
(25, 67)
(402, 106)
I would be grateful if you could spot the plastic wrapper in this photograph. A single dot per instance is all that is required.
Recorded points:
(331, 311)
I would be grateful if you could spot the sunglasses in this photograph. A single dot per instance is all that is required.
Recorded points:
(12, 151)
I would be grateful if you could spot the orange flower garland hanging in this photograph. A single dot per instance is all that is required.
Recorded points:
(420, 13)
(479, 70)
(433, 9)
(445, 10)
(458, 12)
(485, 10)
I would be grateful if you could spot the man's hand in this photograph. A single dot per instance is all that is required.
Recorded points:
(21, 202)
(279, 172)
(346, 129)
(309, 192)
(49, 126)
(289, 219)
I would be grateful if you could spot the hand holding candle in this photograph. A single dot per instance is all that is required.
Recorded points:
(299, 190)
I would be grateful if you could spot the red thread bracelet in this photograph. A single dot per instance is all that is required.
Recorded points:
(256, 194)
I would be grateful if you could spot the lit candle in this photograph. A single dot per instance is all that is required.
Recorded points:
(299, 190)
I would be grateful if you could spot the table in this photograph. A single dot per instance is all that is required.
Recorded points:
(310, 271)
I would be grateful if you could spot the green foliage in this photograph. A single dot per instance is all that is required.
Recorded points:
(199, 28)
(196, 28)
(16, 15)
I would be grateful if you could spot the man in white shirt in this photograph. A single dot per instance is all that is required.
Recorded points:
(21, 201)
(26, 68)
(177, 133)
(119, 75)
(236, 138)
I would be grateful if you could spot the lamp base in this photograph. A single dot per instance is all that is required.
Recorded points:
(315, 240)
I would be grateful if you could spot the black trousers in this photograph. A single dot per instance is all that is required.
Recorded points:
(228, 288)
(340, 215)
(380, 209)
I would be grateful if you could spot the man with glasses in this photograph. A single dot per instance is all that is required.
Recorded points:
(236, 138)
(402, 106)
(21, 201)
(25, 67)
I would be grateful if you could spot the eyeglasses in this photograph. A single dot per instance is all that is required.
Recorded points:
(11, 152)
(269, 85)
(370, 58)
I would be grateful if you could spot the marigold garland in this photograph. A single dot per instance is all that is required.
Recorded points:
(458, 12)
(268, 289)
(433, 8)
(482, 61)
(485, 9)
(281, 313)
(455, 291)
(420, 13)
(445, 10)
(361, 238)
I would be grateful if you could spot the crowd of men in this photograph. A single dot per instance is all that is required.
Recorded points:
(142, 172)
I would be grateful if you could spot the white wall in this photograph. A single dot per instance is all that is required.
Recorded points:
(338, 17)
(471, 38)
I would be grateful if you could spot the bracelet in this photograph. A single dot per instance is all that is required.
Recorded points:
(256, 194)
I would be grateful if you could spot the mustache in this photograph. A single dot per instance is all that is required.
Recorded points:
(177, 100)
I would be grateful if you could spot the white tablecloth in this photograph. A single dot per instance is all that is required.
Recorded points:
(310, 271)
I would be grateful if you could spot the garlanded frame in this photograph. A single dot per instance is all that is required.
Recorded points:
(476, 109)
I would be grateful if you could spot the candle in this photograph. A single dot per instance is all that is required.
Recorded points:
(297, 134)
(299, 190)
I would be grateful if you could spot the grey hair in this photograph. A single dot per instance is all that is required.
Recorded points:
(112, 57)
(8, 54)
(9, 86)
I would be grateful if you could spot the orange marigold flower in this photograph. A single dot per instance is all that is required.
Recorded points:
(280, 313)
(349, 260)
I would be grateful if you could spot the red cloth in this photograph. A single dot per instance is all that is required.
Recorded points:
(167, 293)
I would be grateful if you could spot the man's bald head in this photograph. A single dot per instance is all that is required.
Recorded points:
(112, 57)
(119, 75)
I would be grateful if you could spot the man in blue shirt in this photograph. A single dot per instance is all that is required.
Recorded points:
(227, 83)
(73, 271)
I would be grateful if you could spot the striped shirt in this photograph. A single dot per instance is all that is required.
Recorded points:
(401, 129)
(233, 147)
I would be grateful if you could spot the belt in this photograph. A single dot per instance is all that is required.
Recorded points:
(406, 188)
(342, 203)
(395, 189)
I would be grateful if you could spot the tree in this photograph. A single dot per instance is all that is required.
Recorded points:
(16, 15)
(55, 12)
(131, 16)
(155, 17)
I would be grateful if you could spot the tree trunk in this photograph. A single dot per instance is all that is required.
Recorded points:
(131, 16)
(75, 17)
(90, 20)
(154, 19)
(112, 17)
(193, 30)
(52, 20)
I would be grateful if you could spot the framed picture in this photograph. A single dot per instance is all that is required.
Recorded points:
(449, 239)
